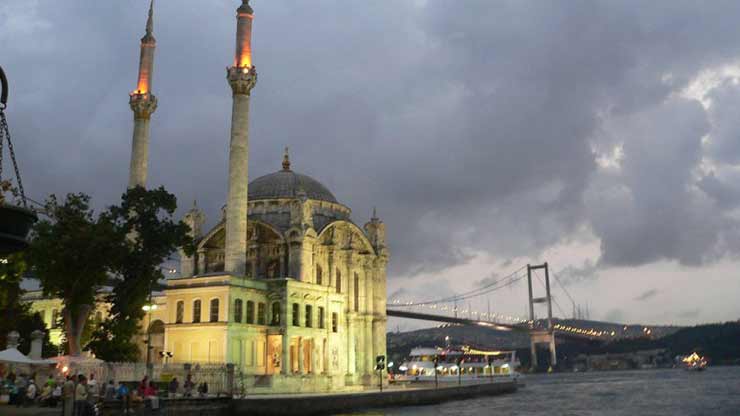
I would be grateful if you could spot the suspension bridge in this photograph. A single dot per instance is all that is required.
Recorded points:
(540, 331)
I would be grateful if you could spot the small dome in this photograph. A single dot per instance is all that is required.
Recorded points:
(288, 184)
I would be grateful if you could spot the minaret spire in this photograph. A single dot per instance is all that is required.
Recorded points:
(143, 103)
(150, 21)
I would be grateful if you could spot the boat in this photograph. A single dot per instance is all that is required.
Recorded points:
(457, 364)
(694, 362)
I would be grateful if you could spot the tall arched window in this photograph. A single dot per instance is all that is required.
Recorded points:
(339, 281)
(54, 318)
(238, 310)
(250, 312)
(214, 310)
(196, 311)
(275, 314)
(356, 288)
(261, 313)
(179, 312)
(318, 274)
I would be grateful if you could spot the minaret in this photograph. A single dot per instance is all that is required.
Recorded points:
(242, 77)
(143, 103)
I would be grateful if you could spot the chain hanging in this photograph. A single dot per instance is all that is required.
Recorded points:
(5, 136)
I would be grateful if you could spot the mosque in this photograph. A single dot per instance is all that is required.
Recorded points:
(285, 286)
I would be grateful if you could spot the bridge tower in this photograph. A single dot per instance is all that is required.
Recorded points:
(546, 336)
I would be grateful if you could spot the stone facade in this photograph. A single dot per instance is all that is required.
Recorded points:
(312, 299)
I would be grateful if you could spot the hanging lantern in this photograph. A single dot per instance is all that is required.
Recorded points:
(15, 218)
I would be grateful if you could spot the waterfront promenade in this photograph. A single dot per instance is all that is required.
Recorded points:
(302, 404)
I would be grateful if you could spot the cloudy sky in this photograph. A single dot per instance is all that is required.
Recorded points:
(602, 137)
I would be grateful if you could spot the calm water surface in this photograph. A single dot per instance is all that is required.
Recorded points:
(630, 393)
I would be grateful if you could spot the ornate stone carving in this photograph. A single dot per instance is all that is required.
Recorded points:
(143, 105)
(241, 79)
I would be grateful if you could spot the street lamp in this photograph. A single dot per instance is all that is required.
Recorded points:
(148, 308)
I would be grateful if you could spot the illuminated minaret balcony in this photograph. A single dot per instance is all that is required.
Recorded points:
(242, 75)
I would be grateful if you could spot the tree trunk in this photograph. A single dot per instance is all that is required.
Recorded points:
(74, 325)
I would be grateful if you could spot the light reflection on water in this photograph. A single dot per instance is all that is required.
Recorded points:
(623, 393)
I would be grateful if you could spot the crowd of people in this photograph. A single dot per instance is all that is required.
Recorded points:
(78, 394)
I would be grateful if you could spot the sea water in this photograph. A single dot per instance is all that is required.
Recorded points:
(673, 392)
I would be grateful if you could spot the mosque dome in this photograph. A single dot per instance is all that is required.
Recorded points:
(288, 184)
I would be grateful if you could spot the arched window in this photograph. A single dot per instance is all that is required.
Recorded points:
(309, 316)
(357, 292)
(261, 313)
(179, 312)
(339, 281)
(214, 310)
(275, 314)
(196, 311)
(318, 274)
(250, 312)
(54, 318)
(296, 314)
(238, 310)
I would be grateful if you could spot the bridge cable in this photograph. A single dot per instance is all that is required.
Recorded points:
(487, 288)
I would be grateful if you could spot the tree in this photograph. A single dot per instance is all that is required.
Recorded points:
(72, 254)
(146, 217)
(16, 314)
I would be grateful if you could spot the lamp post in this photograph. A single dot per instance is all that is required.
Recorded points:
(148, 308)
(436, 369)
(460, 363)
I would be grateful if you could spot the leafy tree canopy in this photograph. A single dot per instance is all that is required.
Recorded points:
(72, 253)
(146, 218)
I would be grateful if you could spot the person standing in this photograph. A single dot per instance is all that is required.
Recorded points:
(81, 396)
(143, 384)
(68, 396)
(21, 385)
(172, 388)
(31, 392)
(188, 386)
(110, 391)
(124, 395)
(92, 388)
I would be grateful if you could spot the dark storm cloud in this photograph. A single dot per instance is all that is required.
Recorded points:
(471, 128)
(574, 273)
(648, 294)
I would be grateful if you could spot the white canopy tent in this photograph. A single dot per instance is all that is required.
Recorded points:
(13, 356)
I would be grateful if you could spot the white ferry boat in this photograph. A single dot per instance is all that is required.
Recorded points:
(455, 364)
